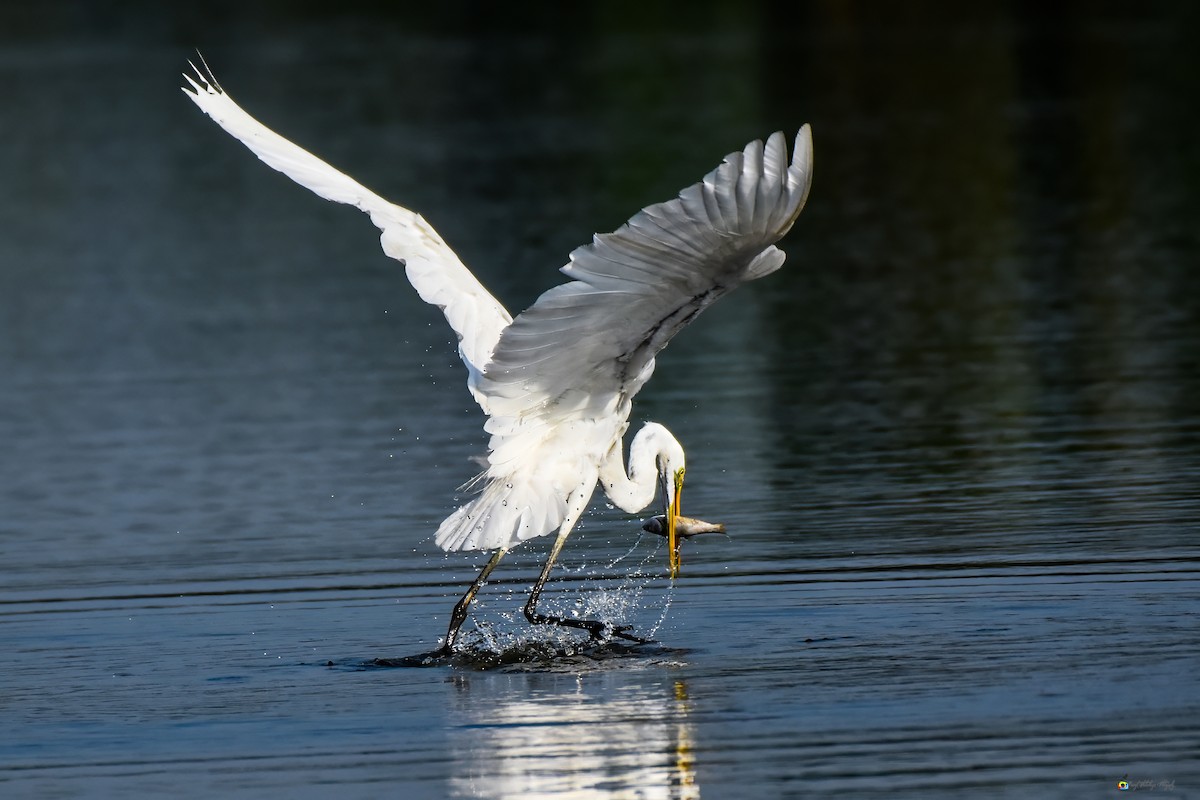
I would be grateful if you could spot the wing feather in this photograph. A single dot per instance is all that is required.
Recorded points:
(665, 260)
(433, 269)
(748, 184)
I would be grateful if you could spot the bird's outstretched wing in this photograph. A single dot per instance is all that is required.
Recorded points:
(636, 288)
(562, 375)
(432, 267)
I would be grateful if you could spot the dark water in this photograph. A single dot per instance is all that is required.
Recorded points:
(956, 439)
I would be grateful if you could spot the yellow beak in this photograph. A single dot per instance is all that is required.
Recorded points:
(673, 540)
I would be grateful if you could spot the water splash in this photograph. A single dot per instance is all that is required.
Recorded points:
(508, 641)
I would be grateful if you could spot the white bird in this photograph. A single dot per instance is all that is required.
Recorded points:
(556, 383)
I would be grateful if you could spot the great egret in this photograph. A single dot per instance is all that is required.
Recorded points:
(556, 383)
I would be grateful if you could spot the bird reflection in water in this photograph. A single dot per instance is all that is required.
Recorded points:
(563, 736)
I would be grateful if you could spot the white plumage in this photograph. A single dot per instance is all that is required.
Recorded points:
(557, 381)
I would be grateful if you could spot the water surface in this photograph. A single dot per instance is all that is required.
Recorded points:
(956, 439)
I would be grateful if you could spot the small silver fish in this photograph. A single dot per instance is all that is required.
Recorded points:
(685, 527)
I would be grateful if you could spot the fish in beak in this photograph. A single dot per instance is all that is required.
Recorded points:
(685, 527)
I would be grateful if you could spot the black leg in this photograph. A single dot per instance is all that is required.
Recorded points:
(459, 615)
(598, 630)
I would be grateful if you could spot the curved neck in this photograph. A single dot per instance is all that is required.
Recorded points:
(653, 452)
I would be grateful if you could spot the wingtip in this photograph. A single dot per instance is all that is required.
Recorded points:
(801, 171)
(202, 80)
(196, 87)
(803, 153)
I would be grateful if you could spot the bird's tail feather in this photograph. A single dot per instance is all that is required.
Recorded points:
(508, 511)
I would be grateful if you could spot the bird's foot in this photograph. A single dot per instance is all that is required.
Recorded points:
(599, 631)
(620, 632)
(603, 631)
